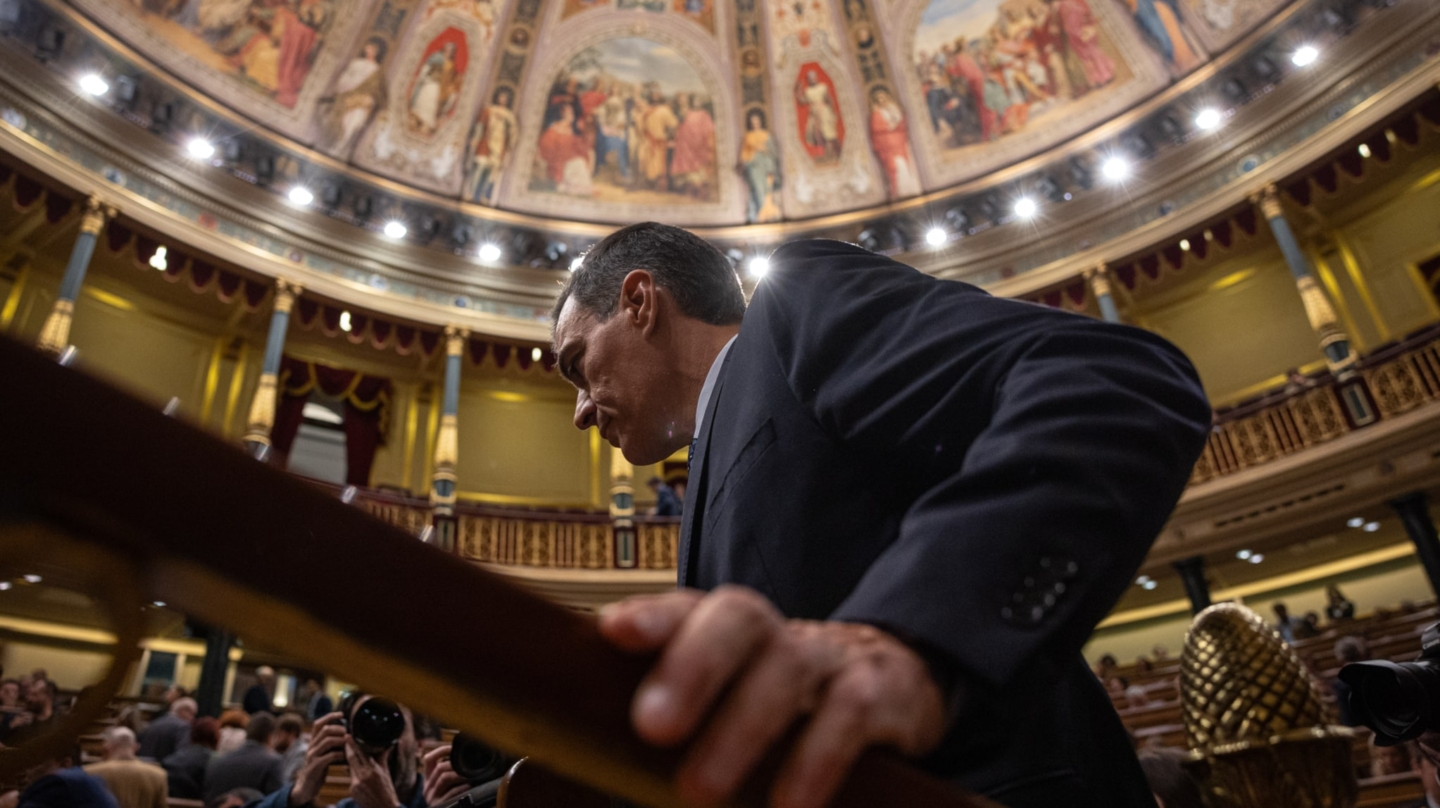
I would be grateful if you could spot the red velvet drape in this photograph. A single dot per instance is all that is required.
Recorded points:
(366, 411)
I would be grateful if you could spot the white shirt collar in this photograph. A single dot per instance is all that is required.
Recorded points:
(708, 388)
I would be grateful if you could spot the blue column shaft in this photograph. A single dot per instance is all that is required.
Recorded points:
(275, 341)
(450, 404)
(1108, 309)
(79, 262)
(1289, 247)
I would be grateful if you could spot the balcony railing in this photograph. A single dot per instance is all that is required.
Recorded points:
(1392, 380)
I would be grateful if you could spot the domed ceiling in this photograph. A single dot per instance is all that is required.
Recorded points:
(696, 112)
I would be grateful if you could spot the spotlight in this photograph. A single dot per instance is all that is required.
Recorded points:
(1244, 555)
(535, 354)
(345, 321)
(1142, 580)
(1305, 55)
(1115, 168)
(461, 234)
(1371, 527)
(935, 236)
(395, 229)
(94, 85)
(1364, 150)
(159, 604)
(1257, 558)
(32, 579)
(1025, 207)
(1355, 521)
(158, 260)
(1148, 585)
(1185, 245)
(200, 148)
(576, 262)
(758, 266)
(489, 252)
(957, 220)
(301, 195)
(4, 585)
(1207, 119)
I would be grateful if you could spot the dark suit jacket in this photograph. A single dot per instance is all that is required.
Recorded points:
(163, 736)
(251, 766)
(982, 477)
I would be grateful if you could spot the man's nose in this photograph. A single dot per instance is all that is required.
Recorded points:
(584, 411)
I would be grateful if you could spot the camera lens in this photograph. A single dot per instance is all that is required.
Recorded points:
(1399, 701)
(475, 760)
(377, 724)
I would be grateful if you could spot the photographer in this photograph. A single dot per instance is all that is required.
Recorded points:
(387, 779)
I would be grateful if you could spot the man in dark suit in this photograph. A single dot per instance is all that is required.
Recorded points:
(254, 765)
(909, 505)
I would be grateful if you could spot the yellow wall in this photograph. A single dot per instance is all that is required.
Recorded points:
(69, 667)
(522, 444)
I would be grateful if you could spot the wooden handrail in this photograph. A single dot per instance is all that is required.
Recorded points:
(84, 467)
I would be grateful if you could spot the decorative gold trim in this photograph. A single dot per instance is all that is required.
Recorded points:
(237, 381)
(412, 420)
(212, 379)
(1342, 306)
(262, 411)
(55, 334)
(1268, 200)
(447, 447)
(96, 213)
(455, 337)
(1317, 306)
(1099, 279)
(17, 290)
(285, 294)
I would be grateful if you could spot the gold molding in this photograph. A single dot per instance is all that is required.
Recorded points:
(237, 381)
(55, 334)
(12, 298)
(1362, 285)
(262, 411)
(447, 448)
(212, 379)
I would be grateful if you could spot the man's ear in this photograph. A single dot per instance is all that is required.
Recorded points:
(638, 299)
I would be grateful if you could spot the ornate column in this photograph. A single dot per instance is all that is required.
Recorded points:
(447, 441)
(622, 509)
(1192, 574)
(1099, 280)
(1414, 511)
(55, 334)
(1334, 342)
(262, 405)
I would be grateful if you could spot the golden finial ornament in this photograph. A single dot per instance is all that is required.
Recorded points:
(1258, 731)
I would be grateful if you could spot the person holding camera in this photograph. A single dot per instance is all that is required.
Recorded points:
(383, 771)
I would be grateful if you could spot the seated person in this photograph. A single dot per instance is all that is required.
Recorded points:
(168, 732)
(133, 782)
(185, 767)
(40, 713)
(254, 765)
(392, 779)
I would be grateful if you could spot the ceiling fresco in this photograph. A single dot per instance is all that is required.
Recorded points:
(696, 111)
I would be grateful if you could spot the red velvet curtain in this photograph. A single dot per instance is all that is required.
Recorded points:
(366, 402)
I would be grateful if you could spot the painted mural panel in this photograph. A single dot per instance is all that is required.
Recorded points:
(628, 120)
(700, 11)
(1166, 33)
(996, 80)
(426, 107)
(492, 142)
(1220, 22)
(817, 114)
(359, 91)
(890, 138)
(268, 58)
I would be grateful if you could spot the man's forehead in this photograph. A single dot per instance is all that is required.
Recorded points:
(571, 327)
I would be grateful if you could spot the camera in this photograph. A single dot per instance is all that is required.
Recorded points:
(1399, 701)
(483, 766)
(376, 725)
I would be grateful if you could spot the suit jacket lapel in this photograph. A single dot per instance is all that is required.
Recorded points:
(695, 494)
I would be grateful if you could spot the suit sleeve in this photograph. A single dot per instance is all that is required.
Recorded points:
(1038, 452)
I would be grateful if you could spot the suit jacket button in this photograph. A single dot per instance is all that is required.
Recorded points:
(1007, 613)
(1048, 600)
(1059, 588)
(1036, 614)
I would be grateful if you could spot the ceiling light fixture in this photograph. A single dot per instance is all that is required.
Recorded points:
(301, 195)
(1364, 149)
(345, 321)
(32, 578)
(200, 148)
(1208, 119)
(535, 354)
(158, 260)
(1149, 585)
(159, 604)
(1305, 55)
(1243, 555)
(489, 252)
(395, 229)
(1115, 169)
(94, 85)
(1025, 207)
(936, 236)
(4, 585)
(1371, 527)
(1355, 521)
(1185, 244)
(758, 266)
(1142, 580)
(1257, 558)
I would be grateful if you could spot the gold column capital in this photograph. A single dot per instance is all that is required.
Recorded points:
(1318, 309)
(455, 337)
(96, 214)
(1268, 200)
(262, 411)
(447, 447)
(1099, 279)
(285, 294)
(55, 334)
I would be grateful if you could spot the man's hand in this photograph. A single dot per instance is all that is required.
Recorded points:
(442, 784)
(370, 784)
(327, 746)
(732, 650)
